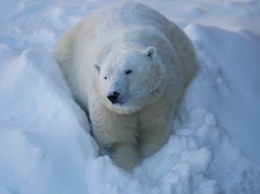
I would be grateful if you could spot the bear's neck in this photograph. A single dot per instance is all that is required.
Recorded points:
(126, 47)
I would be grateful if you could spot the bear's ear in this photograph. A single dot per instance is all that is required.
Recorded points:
(151, 52)
(97, 67)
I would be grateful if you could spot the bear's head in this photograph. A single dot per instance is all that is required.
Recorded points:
(130, 79)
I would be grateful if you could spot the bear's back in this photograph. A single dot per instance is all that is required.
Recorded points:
(125, 22)
(116, 18)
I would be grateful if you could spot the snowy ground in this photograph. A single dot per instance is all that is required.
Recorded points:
(45, 146)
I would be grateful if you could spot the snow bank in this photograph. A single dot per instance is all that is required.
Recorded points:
(45, 144)
(229, 82)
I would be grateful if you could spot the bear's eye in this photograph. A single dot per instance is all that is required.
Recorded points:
(128, 71)
(105, 77)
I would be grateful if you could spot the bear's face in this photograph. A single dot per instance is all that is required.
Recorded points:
(130, 80)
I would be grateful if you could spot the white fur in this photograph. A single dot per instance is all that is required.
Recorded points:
(95, 56)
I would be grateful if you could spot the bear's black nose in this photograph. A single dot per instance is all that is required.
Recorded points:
(113, 97)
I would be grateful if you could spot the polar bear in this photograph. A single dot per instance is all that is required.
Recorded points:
(127, 66)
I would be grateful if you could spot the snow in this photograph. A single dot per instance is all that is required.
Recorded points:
(45, 141)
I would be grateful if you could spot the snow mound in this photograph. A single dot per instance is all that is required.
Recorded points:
(43, 144)
(228, 83)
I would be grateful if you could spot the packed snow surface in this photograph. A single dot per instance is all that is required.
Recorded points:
(45, 141)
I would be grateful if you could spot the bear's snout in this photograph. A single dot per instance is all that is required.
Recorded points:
(113, 97)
